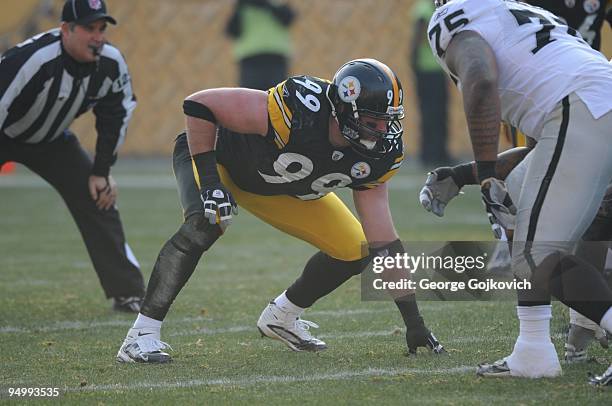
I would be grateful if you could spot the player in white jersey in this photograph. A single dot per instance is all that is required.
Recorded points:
(521, 64)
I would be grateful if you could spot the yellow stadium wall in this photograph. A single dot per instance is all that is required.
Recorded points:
(174, 48)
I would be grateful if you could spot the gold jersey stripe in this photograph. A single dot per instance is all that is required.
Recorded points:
(278, 141)
(280, 90)
(399, 159)
(520, 140)
(387, 176)
(513, 135)
(280, 115)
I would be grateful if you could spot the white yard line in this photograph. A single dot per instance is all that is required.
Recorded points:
(280, 379)
(253, 329)
(84, 325)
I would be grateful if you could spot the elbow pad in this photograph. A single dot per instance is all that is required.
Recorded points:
(198, 110)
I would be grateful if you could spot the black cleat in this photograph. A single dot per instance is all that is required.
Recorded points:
(127, 304)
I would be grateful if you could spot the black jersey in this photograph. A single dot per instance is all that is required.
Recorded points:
(585, 16)
(296, 157)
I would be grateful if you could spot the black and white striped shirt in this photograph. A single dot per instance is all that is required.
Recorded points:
(42, 91)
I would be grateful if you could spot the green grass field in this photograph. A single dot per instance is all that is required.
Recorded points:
(57, 329)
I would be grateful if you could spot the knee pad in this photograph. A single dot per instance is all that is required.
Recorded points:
(351, 268)
(196, 234)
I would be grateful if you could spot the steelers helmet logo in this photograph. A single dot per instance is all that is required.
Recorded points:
(349, 89)
(360, 170)
(591, 6)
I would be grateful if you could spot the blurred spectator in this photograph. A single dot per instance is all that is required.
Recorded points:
(260, 29)
(432, 90)
(29, 27)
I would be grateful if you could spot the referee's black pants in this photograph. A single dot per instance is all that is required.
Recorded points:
(66, 166)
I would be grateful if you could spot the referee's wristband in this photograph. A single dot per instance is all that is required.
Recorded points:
(485, 170)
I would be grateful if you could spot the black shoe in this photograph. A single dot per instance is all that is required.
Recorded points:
(420, 336)
(130, 304)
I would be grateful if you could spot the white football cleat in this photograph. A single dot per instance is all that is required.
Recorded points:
(534, 359)
(143, 345)
(288, 328)
(602, 380)
(528, 360)
(497, 369)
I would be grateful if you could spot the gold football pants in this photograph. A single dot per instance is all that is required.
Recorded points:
(325, 223)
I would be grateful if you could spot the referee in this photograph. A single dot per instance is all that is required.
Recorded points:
(45, 83)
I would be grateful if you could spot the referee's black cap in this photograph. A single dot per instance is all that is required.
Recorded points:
(83, 12)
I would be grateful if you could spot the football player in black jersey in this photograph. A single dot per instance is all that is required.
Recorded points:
(280, 155)
(585, 16)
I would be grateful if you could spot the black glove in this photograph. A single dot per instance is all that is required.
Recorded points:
(420, 336)
(499, 206)
(215, 197)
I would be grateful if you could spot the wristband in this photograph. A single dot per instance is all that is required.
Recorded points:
(485, 169)
(393, 248)
(463, 175)
(206, 165)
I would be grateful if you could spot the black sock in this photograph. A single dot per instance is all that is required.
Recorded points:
(322, 274)
(577, 284)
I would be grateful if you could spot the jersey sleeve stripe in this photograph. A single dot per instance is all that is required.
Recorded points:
(278, 140)
(277, 109)
(387, 175)
(286, 113)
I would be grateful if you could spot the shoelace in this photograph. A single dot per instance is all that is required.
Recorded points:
(304, 326)
(151, 344)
